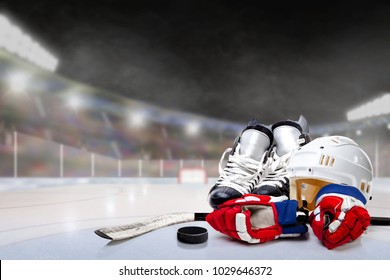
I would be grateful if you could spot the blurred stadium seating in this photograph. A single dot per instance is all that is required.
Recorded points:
(51, 126)
(53, 120)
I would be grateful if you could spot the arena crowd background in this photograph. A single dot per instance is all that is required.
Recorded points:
(52, 125)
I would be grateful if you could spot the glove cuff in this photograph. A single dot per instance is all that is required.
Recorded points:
(341, 189)
(293, 221)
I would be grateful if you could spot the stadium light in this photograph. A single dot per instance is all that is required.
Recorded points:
(18, 82)
(74, 101)
(192, 128)
(377, 107)
(136, 119)
(14, 41)
(5, 26)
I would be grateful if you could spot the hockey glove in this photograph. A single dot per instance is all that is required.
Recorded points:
(340, 215)
(258, 218)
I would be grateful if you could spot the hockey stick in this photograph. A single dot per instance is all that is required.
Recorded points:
(128, 231)
(380, 221)
(117, 233)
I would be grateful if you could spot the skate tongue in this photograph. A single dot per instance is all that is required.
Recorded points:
(253, 144)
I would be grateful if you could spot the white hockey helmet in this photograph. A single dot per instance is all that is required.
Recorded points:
(328, 160)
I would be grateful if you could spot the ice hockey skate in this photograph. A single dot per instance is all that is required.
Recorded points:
(245, 165)
(288, 136)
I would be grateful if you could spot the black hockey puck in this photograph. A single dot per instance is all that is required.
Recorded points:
(192, 235)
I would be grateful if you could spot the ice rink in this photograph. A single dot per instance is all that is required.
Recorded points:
(56, 218)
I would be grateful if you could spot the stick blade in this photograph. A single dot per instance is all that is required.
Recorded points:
(100, 232)
(117, 233)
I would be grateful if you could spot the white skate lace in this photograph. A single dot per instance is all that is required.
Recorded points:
(277, 169)
(241, 172)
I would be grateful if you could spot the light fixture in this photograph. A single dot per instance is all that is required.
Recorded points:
(75, 101)
(16, 42)
(377, 107)
(192, 128)
(18, 82)
(136, 119)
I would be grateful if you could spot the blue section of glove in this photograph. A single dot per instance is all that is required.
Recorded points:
(287, 217)
(294, 229)
(287, 212)
(342, 189)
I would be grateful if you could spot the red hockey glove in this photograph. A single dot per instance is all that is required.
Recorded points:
(339, 218)
(258, 218)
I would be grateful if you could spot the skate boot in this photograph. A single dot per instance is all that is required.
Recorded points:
(288, 136)
(244, 168)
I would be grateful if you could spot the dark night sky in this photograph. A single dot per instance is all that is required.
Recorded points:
(231, 60)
